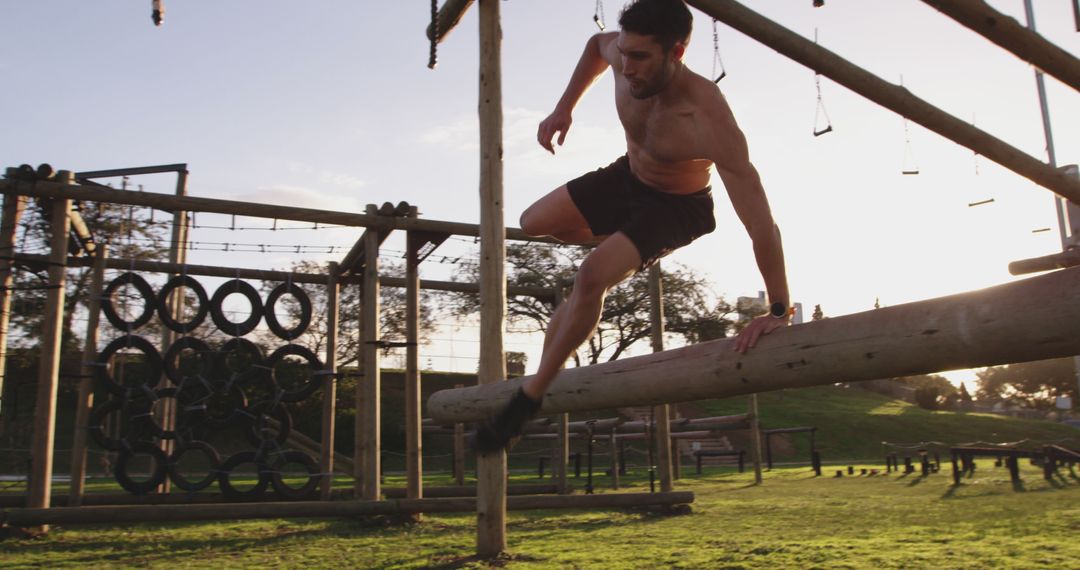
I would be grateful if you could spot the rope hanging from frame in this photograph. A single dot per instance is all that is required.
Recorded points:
(598, 15)
(820, 111)
(433, 58)
(716, 55)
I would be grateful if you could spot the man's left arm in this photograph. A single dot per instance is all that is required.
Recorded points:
(748, 198)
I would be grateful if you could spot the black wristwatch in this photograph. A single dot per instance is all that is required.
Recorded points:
(778, 310)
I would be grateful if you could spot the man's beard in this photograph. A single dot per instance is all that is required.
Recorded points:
(660, 81)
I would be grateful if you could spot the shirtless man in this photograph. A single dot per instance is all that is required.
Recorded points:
(654, 199)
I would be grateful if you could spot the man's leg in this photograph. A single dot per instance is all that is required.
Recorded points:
(615, 259)
(557, 216)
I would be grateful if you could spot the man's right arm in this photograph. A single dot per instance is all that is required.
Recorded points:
(593, 62)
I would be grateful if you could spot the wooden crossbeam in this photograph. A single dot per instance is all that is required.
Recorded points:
(1031, 319)
(1009, 34)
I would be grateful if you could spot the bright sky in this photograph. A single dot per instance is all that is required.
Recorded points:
(330, 105)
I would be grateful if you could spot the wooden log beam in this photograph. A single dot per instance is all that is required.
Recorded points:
(888, 95)
(130, 514)
(448, 17)
(1030, 319)
(1067, 258)
(1009, 34)
(168, 202)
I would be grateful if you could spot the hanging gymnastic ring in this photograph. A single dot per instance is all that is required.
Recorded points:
(157, 476)
(217, 313)
(258, 431)
(172, 357)
(165, 312)
(310, 386)
(256, 372)
(152, 363)
(305, 310)
(212, 474)
(145, 291)
(235, 461)
(283, 490)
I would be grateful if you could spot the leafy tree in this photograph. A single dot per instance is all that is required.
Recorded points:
(818, 313)
(932, 392)
(1030, 384)
(689, 311)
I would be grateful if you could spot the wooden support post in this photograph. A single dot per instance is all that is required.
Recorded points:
(755, 439)
(562, 455)
(414, 457)
(49, 365)
(1005, 324)
(372, 380)
(459, 451)
(167, 413)
(663, 411)
(613, 444)
(491, 468)
(1009, 34)
(888, 95)
(329, 383)
(14, 205)
(85, 399)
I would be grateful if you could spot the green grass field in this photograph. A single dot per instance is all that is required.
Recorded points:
(793, 520)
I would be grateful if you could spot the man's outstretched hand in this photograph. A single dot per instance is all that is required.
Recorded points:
(556, 122)
(763, 325)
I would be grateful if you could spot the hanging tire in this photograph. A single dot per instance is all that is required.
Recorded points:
(305, 311)
(217, 313)
(98, 418)
(143, 413)
(157, 475)
(212, 474)
(172, 357)
(225, 406)
(306, 388)
(259, 431)
(307, 490)
(256, 371)
(165, 313)
(225, 480)
(152, 362)
(145, 291)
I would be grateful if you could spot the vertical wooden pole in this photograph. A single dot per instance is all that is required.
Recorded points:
(372, 384)
(329, 384)
(414, 466)
(663, 412)
(9, 222)
(360, 421)
(459, 450)
(49, 365)
(85, 399)
(562, 461)
(177, 255)
(755, 438)
(614, 445)
(491, 468)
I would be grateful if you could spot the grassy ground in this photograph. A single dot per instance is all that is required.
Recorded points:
(794, 520)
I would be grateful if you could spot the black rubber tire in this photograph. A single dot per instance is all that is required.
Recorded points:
(217, 314)
(212, 475)
(231, 492)
(256, 373)
(165, 314)
(152, 361)
(305, 310)
(284, 491)
(259, 433)
(172, 368)
(157, 476)
(310, 386)
(233, 412)
(144, 289)
(142, 412)
(96, 427)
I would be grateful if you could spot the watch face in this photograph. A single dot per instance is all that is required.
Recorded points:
(777, 310)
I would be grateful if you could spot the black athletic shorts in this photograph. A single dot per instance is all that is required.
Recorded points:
(613, 200)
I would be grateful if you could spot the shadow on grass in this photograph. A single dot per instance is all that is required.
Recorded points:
(499, 561)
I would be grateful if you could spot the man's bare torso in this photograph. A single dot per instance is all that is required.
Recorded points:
(663, 132)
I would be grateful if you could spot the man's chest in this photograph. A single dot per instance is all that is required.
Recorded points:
(668, 135)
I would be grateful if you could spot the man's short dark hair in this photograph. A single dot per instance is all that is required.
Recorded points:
(667, 20)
